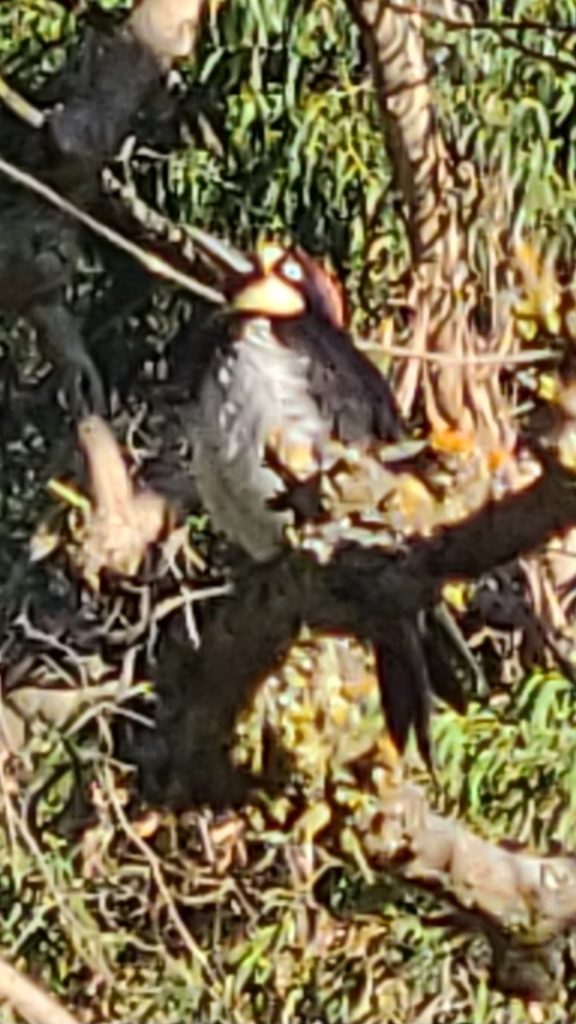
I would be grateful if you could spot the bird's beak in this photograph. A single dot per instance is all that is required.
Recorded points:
(269, 296)
(265, 293)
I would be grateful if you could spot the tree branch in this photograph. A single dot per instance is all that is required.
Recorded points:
(456, 396)
(520, 903)
(395, 48)
(30, 1000)
(360, 592)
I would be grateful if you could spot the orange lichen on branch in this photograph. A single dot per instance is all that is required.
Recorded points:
(452, 442)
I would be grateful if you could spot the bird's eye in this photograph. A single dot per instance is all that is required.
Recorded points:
(292, 271)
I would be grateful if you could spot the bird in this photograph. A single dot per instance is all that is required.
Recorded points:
(287, 391)
(282, 391)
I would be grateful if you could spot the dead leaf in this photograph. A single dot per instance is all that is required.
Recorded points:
(122, 523)
(169, 28)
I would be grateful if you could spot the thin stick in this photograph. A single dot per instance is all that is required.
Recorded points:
(158, 266)
(29, 1000)
(153, 264)
(487, 24)
(482, 359)
(19, 106)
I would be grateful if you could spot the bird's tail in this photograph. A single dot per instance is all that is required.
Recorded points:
(418, 658)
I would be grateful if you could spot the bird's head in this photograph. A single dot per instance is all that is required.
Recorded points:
(275, 282)
(289, 283)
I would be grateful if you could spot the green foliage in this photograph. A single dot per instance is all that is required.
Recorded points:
(510, 764)
(32, 37)
(506, 99)
(301, 146)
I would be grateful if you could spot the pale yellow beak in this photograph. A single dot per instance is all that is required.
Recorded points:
(269, 296)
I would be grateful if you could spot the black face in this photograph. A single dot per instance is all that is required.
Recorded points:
(288, 284)
(275, 282)
(319, 290)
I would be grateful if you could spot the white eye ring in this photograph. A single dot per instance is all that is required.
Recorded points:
(292, 271)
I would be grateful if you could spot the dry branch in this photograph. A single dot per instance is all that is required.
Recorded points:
(169, 28)
(520, 903)
(360, 591)
(29, 1000)
(123, 523)
(20, 106)
(151, 262)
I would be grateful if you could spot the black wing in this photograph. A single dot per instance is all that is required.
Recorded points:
(347, 386)
(418, 658)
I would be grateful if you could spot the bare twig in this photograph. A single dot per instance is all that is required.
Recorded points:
(481, 359)
(153, 264)
(30, 1000)
(19, 106)
(559, 65)
(196, 953)
(82, 934)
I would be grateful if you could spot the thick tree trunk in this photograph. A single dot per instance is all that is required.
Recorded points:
(457, 396)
